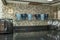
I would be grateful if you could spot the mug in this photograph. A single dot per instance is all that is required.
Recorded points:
(29, 16)
(46, 16)
(24, 16)
(18, 16)
(42, 16)
(38, 16)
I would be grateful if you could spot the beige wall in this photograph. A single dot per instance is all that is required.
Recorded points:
(23, 8)
(1, 13)
(55, 12)
(58, 10)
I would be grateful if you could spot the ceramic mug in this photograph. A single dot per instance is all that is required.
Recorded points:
(29, 16)
(24, 16)
(46, 16)
(38, 16)
(42, 16)
(18, 16)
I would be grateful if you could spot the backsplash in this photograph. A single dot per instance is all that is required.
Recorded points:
(28, 9)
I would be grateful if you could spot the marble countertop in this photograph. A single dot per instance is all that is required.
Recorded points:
(29, 36)
(34, 36)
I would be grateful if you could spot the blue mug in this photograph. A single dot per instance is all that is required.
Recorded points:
(42, 16)
(46, 16)
(24, 16)
(18, 16)
(38, 16)
(29, 16)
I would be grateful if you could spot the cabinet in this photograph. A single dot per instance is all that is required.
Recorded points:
(6, 26)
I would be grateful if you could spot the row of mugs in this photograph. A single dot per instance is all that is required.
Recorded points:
(30, 16)
(23, 16)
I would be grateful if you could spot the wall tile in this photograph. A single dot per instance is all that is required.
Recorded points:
(21, 8)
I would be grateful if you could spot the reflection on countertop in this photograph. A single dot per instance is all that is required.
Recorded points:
(42, 35)
(35, 36)
(6, 36)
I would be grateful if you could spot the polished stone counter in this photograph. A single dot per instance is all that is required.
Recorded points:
(31, 33)
(42, 35)
(34, 28)
(35, 36)
(6, 36)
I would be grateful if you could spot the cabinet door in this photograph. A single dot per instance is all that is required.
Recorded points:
(58, 14)
(1, 27)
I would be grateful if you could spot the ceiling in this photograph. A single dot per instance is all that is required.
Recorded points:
(40, 1)
(33, 2)
(43, 1)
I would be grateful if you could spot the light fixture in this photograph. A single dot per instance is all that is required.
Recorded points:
(10, 10)
(49, 0)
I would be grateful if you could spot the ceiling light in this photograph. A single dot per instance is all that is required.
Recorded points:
(50, 0)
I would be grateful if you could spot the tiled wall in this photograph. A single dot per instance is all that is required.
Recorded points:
(23, 8)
